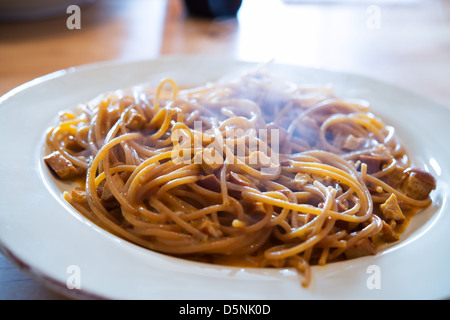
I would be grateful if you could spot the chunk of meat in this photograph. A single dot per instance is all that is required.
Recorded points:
(363, 247)
(395, 177)
(72, 144)
(353, 143)
(388, 233)
(373, 163)
(210, 182)
(78, 195)
(61, 166)
(209, 160)
(107, 194)
(418, 184)
(391, 209)
(300, 180)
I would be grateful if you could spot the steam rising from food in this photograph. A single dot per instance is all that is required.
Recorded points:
(255, 171)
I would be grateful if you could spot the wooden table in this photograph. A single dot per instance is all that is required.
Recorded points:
(406, 44)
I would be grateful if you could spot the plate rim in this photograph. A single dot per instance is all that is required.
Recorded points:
(48, 280)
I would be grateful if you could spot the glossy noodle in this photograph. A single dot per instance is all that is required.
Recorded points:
(254, 171)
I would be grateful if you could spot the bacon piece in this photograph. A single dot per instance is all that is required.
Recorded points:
(61, 166)
(78, 195)
(210, 182)
(418, 184)
(391, 209)
(300, 180)
(363, 247)
(395, 177)
(373, 163)
(71, 143)
(209, 160)
(107, 194)
(388, 233)
(353, 143)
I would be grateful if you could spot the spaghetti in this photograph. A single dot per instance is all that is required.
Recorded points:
(255, 171)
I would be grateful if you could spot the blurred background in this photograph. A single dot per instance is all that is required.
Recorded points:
(402, 42)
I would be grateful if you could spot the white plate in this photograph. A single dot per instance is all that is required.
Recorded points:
(46, 237)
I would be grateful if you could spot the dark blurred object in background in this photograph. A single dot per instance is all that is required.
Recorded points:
(213, 8)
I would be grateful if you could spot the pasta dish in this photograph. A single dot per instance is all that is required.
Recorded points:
(255, 171)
